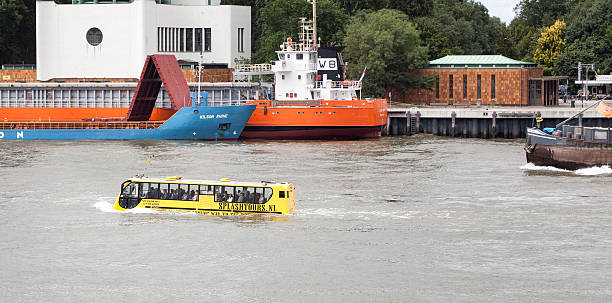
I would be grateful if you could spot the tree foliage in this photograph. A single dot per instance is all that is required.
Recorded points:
(588, 38)
(17, 31)
(457, 28)
(550, 45)
(388, 44)
(445, 27)
(280, 19)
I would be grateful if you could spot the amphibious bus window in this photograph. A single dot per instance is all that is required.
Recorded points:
(224, 193)
(194, 192)
(183, 192)
(153, 191)
(267, 194)
(206, 190)
(259, 195)
(246, 195)
(165, 193)
(281, 194)
(173, 192)
(130, 191)
(144, 190)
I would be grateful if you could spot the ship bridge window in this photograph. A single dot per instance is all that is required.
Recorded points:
(288, 56)
(299, 56)
(299, 77)
(281, 56)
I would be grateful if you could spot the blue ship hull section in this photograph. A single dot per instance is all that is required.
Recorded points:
(189, 123)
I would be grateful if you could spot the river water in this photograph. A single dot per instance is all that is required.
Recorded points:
(419, 218)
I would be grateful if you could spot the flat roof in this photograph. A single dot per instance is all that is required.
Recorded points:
(479, 61)
(207, 182)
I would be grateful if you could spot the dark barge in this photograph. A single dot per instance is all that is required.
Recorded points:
(573, 147)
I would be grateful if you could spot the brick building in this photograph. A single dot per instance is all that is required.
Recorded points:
(483, 79)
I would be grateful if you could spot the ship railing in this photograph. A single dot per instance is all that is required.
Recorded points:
(295, 46)
(295, 103)
(338, 84)
(81, 125)
(251, 68)
(590, 134)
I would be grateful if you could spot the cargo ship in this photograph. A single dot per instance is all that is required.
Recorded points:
(187, 119)
(571, 147)
(313, 100)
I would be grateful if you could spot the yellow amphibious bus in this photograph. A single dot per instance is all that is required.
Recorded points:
(207, 197)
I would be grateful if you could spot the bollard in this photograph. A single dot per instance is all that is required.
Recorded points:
(408, 126)
(453, 117)
(494, 124)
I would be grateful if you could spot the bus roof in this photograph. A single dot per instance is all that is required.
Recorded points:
(224, 181)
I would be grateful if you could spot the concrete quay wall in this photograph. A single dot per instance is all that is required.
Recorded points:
(482, 122)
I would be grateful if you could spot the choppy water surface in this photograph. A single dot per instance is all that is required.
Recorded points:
(397, 219)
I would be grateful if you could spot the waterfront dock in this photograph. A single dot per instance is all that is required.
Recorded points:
(483, 121)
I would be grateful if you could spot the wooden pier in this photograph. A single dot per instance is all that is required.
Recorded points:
(482, 122)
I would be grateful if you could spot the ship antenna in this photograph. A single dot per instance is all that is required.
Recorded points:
(314, 23)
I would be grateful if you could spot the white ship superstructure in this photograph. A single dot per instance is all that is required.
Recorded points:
(305, 71)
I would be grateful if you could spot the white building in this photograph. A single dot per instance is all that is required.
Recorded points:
(111, 39)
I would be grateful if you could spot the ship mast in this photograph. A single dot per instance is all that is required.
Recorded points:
(314, 24)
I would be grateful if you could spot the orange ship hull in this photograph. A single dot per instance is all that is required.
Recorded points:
(14, 114)
(325, 119)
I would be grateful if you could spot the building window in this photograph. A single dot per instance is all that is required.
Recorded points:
(478, 88)
(182, 40)
(189, 39)
(241, 40)
(172, 39)
(159, 39)
(437, 87)
(176, 40)
(450, 86)
(198, 40)
(492, 86)
(166, 39)
(207, 38)
(464, 86)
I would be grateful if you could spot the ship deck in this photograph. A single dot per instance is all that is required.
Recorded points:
(82, 125)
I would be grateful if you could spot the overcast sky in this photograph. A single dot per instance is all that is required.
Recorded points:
(501, 8)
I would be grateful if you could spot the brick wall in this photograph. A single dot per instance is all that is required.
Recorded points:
(18, 75)
(210, 75)
(511, 86)
(29, 75)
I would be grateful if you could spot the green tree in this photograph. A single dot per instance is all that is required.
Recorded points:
(588, 38)
(17, 31)
(388, 44)
(550, 45)
(459, 27)
(413, 8)
(280, 19)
